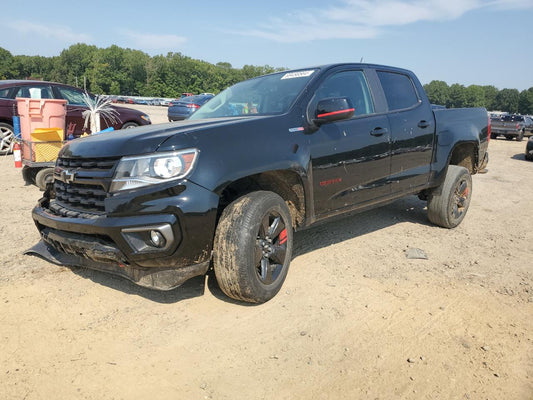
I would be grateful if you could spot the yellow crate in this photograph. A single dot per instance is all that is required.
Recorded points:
(46, 143)
(47, 135)
(45, 151)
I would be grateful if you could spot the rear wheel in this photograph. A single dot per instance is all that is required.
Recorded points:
(253, 247)
(7, 138)
(129, 125)
(448, 208)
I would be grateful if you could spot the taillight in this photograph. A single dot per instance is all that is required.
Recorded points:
(195, 106)
(517, 126)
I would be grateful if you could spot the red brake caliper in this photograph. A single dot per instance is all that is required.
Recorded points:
(283, 236)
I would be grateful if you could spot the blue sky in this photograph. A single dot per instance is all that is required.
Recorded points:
(484, 42)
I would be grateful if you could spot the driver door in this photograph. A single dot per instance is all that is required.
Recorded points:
(350, 158)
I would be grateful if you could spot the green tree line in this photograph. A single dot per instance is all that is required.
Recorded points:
(118, 71)
(489, 97)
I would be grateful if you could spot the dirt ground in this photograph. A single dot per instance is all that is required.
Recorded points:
(356, 319)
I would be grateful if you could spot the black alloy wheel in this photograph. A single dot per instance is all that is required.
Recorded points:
(271, 248)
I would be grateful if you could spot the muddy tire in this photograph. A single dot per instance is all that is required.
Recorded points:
(253, 247)
(448, 205)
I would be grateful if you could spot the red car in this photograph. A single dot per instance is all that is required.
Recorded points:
(10, 89)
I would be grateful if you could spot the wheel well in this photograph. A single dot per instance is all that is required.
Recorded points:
(465, 155)
(6, 121)
(286, 184)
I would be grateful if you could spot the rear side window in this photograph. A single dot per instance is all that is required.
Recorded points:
(36, 91)
(399, 90)
(4, 93)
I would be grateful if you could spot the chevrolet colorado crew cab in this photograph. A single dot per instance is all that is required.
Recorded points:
(228, 187)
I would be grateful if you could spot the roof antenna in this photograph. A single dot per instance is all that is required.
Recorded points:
(361, 60)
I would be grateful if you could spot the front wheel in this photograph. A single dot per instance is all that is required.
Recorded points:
(253, 247)
(448, 208)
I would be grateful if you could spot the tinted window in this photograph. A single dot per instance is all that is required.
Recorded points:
(351, 84)
(4, 93)
(399, 90)
(72, 96)
(195, 99)
(35, 92)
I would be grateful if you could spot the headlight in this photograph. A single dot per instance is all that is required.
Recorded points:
(139, 171)
(146, 118)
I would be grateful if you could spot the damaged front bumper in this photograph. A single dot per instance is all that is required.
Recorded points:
(164, 238)
(153, 278)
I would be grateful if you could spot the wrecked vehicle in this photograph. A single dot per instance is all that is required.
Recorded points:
(266, 157)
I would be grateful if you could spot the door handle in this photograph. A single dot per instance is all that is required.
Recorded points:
(423, 124)
(378, 131)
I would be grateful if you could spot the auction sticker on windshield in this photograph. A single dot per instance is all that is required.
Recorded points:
(298, 74)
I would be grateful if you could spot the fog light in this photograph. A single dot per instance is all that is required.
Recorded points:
(147, 239)
(157, 239)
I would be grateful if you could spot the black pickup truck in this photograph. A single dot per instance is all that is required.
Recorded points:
(228, 187)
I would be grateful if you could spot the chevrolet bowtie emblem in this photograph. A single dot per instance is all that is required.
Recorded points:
(68, 176)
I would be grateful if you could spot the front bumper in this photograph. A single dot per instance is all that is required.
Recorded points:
(153, 278)
(119, 240)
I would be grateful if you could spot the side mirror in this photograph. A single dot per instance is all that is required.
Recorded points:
(333, 109)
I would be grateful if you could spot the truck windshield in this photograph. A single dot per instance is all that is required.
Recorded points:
(265, 95)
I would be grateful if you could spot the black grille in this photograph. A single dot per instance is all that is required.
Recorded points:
(80, 197)
(81, 185)
(87, 163)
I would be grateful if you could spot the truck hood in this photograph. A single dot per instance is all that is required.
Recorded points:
(147, 139)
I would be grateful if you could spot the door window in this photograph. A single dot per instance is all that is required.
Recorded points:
(72, 96)
(350, 84)
(399, 90)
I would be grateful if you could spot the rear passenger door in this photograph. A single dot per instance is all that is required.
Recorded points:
(350, 158)
(412, 131)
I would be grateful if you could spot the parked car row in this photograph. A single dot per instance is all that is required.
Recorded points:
(139, 100)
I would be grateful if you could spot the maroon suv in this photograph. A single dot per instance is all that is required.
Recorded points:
(10, 89)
